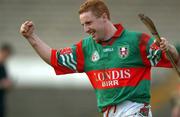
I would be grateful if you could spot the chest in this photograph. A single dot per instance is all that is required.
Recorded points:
(121, 54)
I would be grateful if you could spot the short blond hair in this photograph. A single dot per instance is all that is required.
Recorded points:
(98, 7)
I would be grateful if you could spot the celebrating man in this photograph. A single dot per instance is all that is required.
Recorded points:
(116, 60)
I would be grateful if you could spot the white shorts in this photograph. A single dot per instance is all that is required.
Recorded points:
(128, 109)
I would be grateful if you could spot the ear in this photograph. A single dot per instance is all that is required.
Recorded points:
(104, 16)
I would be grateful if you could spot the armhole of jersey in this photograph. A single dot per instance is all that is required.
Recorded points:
(80, 57)
(143, 45)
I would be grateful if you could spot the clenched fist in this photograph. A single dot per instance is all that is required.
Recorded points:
(27, 29)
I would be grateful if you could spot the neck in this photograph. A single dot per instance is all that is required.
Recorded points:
(110, 30)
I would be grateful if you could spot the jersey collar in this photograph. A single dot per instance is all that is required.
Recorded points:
(117, 34)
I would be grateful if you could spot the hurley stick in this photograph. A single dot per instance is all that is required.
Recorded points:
(150, 25)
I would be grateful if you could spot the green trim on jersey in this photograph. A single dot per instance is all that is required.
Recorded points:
(154, 55)
(68, 59)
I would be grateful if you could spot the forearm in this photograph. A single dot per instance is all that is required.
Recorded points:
(42, 49)
(166, 46)
(174, 53)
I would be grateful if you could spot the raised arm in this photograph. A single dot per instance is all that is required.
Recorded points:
(43, 50)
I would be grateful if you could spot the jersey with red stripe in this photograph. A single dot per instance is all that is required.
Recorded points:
(118, 69)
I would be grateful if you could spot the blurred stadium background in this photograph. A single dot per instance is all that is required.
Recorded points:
(38, 92)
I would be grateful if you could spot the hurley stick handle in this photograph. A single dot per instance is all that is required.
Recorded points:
(150, 25)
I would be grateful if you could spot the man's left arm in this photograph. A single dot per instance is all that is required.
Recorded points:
(166, 46)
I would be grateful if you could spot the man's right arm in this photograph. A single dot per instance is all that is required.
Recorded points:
(43, 50)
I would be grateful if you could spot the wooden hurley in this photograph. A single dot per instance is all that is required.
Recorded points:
(150, 25)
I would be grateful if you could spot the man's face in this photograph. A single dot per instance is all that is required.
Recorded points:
(93, 25)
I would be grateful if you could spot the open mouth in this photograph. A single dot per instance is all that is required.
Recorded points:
(92, 33)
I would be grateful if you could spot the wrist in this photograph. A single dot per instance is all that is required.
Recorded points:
(32, 36)
(33, 39)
